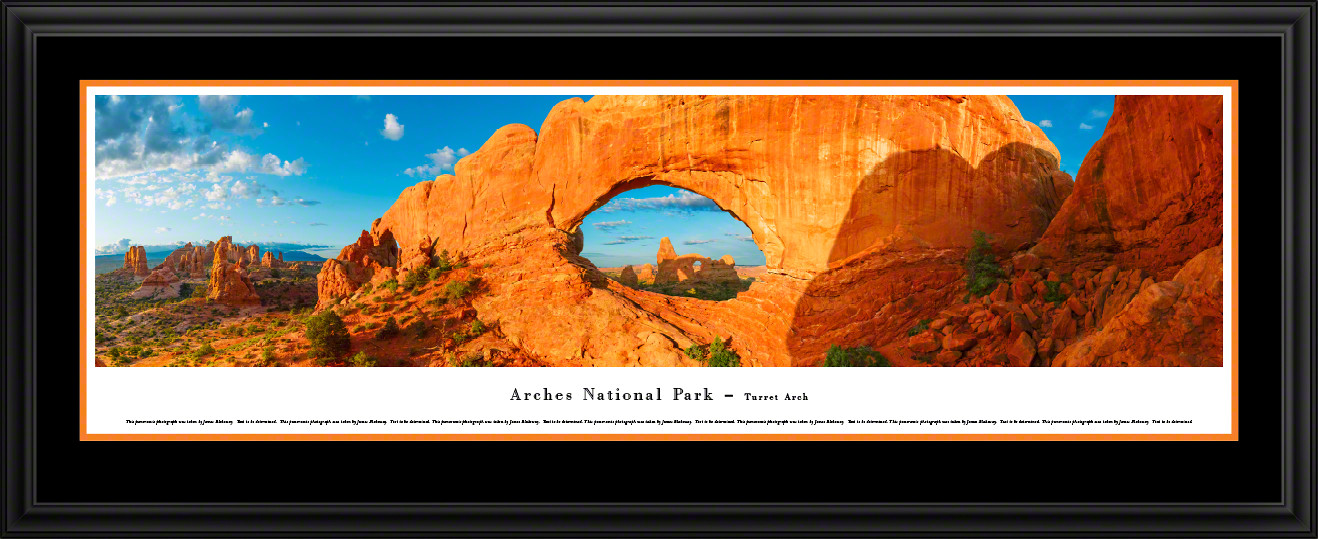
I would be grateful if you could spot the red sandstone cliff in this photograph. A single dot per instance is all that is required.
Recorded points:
(1149, 193)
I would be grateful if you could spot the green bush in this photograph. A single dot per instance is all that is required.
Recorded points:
(390, 285)
(456, 290)
(205, 350)
(389, 331)
(199, 290)
(860, 356)
(328, 336)
(982, 269)
(416, 277)
(443, 264)
(268, 357)
(477, 327)
(721, 356)
(434, 273)
(275, 273)
(918, 328)
(362, 359)
(715, 354)
(1054, 292)
(419, 329)
(365, 289)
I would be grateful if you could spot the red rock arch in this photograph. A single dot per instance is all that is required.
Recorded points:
(823, 182)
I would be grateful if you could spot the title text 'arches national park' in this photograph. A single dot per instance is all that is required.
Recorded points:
(669, 230)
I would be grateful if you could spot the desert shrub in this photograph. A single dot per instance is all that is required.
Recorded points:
(199, 290)
(456, 290)
(368, 309)
(362, 359)
(1054, 292)
(434, 273)
(459, 338)
(419, 329)
(415, 278)
(474, 360)
(715, 354)
(918, 328)
(328, 336)
(365, 289)
(205, 350)
(390, 285)
(443, 263)
(982, 269)
(372, 325)
(268, 357)
(860, 356)
(477, 327)
(275, 273)
(390, 329)
(721, 356)
(923, 358)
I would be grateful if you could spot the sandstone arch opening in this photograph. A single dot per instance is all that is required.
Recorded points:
(672, 241)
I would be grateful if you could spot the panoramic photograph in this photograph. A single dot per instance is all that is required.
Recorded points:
(657, 230)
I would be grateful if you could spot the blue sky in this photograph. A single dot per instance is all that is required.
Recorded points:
(1072, 122)
(315, 170)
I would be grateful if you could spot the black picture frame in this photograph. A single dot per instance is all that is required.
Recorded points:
(27, 512)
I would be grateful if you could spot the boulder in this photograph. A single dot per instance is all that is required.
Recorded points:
(1021, 352)
(924, 342)
(959, 342)
(1168, 324)
(628, 276)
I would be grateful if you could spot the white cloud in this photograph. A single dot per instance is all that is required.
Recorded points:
(627, 239)
(216, 193)
(223, 113)
(162, 229)
(440, 161)
(686, 201)
(265, 124)
(1085, 126)
(246, 190)
(696, 242)
(610, 225)
(1096, 113)
(1046, 123)
(115, 248)
(392, 129)
(110, 200)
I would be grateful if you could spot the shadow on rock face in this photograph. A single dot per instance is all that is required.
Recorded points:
(898, 256)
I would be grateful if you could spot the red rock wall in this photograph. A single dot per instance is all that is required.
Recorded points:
(1150, 191)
